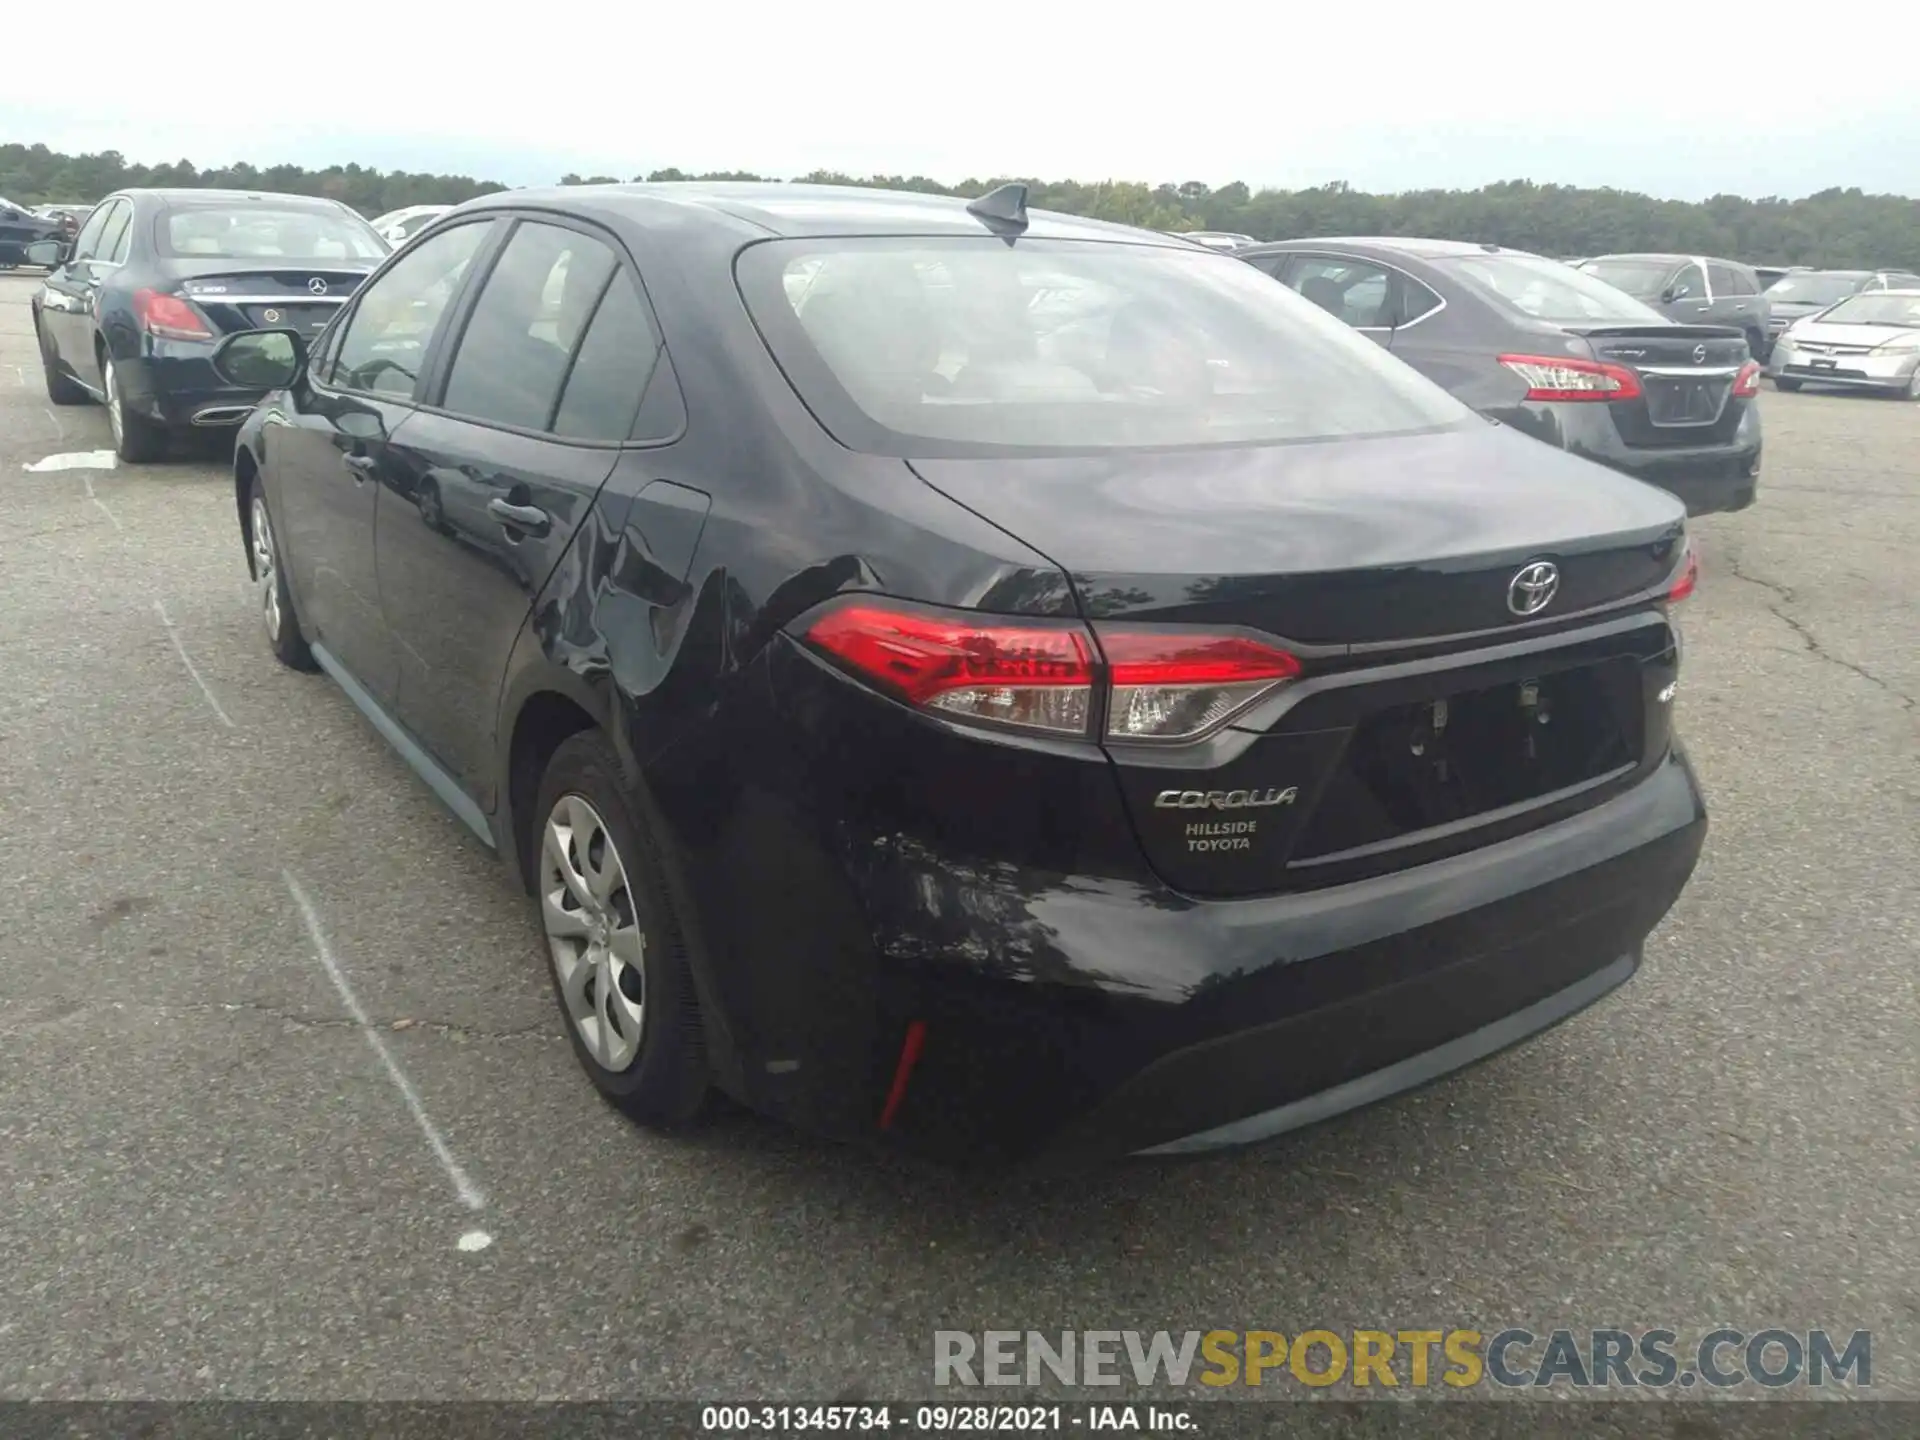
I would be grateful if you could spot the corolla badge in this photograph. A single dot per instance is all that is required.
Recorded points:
(1699, 354)
(1224, 799)
(1533, 589)
(317, 286)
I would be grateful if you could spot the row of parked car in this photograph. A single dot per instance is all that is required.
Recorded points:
(1645, 363)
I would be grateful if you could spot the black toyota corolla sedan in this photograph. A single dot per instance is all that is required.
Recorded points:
(1552, 351)
(135, 303)
(1000, 684)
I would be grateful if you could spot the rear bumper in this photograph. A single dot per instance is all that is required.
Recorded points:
(1708, 478)
(1087, 1023)
(179, 388)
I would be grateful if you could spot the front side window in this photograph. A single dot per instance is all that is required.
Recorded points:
(965, 345)
(1548, 290)
(266, 232)
(386, 337)
(519, 342)
(87, 243)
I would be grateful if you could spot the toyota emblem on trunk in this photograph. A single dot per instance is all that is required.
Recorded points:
(1533, 589)
(1699, 354)
(317, 286)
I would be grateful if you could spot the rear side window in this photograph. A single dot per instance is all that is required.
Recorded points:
(1728, 279)
(611, 370)
(969, 345)
(1352, 291)
(519, 342)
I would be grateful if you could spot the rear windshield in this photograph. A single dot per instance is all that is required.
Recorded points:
(925, 346)
(1813, 288)
(262, 232)
(1548, 290)
(1878, 309)
(1639, 278)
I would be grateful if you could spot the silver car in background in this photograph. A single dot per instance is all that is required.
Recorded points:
(397, 227)
(1869, 341)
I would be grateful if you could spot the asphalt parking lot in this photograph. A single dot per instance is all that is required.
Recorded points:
(215, 1186)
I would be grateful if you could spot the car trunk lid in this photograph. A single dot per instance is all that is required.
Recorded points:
(1400, 539)
(298, 298)
(1370, 561)
(1686, 379)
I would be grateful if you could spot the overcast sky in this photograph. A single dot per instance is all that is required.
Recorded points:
(1386, 98)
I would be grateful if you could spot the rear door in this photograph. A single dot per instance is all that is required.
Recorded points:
(329, 442)
(484, 490)
(1736, 300)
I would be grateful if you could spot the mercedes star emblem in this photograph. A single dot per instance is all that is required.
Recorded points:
(1533, 589)
(318, 286)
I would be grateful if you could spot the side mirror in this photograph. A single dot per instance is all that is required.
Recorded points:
(48, 253)
(260, 359)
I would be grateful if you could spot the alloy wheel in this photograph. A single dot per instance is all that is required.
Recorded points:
(598, 951)
(264, 574)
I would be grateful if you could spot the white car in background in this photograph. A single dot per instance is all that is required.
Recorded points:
(397, 227)
(1869, 341)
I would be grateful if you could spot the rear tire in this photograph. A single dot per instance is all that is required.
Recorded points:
(1912, 392)
(609, 921)
(1787, 385)
(136, 439)
(61, 389)
(277, 615)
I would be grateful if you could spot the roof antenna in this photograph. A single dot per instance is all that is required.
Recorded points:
(1002, 208)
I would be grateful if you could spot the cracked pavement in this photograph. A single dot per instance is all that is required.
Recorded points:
(213, 1188)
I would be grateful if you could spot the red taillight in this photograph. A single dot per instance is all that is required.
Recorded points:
(1159, 685)
(1172, 686)
(1746, 384)
(168, 317)
(1035, 677)
(1687, 580)
(1557, 377)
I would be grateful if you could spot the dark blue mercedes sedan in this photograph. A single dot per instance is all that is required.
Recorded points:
(134, 305)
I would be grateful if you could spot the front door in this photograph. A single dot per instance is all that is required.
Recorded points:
(484, 492)
(67, 309)
(326, 450)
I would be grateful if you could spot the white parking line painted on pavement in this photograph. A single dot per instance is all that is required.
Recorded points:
(475, 1240)
(187, 660)
(468, 1192)
(74, 460)
(112, 518)
(54, 420)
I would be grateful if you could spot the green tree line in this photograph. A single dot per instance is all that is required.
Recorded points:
(1837, 228)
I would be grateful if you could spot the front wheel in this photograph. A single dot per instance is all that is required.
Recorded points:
(136, 439)
(270, 581)
(1912, 392)
(617, 954)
